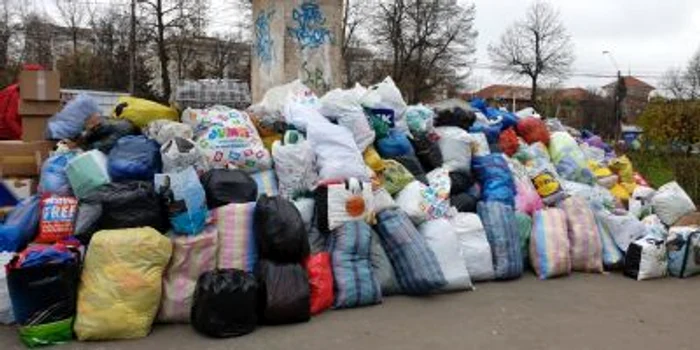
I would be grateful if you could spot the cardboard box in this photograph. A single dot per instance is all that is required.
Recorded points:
(41, 85)
(34, 127)
(43, 108)
(19, 158)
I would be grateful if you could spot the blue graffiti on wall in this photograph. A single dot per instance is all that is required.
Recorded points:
(263, 39)
(310, 30)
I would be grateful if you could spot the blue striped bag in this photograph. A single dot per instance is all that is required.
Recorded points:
(415, 265)
(502, 233)
(355, 284)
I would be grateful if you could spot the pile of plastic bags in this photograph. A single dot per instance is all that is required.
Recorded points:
(229, 219)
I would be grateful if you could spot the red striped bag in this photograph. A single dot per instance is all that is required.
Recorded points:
(192, 256)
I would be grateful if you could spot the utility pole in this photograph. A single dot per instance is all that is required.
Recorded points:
(132, 48)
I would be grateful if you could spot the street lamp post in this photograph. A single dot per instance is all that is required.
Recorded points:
(618, 95)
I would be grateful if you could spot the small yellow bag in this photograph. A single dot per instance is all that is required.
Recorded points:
(373, 160)
(121, 284)
(622, 166)
(620, 192)
(141, 112)
(599, 171)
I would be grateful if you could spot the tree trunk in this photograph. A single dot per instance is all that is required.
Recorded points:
(163, 52)
(533, 93)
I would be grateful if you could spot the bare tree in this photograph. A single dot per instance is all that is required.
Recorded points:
(537, 47)
(38, 40)
(430, 43)
(172, 18)
(73, 13)
(8, 28)
(355, 16)
(692, 76)
(674, 82)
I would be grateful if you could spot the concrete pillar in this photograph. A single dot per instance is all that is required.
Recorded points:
(296, 39)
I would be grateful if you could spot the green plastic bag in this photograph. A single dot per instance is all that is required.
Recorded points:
(87, 172)
(396, 176)
(524, 223)
(47, 334)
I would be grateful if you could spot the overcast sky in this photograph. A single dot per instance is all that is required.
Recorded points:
(645, 36)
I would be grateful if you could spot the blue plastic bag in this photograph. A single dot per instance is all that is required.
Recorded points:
(185, 199)
(134, 158)
(495, 178)
(20, 225)
(69, 122)
(394, 145)
(53, 175)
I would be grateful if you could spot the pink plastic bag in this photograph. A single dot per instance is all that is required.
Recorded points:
(527, 200)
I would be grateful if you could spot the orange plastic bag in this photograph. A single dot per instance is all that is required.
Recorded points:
(508, 141)
(533, 130)
(318, 267)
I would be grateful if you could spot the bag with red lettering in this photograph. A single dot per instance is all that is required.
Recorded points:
(57, 216)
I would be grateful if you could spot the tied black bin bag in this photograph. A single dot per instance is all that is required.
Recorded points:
(461, 182)
(281, 233)
(120, 205)
(224, 303)
(226, 186)
(455, 116)
(285, 296)
(464, 202)
(427, 152)
(44, 294)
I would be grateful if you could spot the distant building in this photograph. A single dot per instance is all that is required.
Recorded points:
(638, 93)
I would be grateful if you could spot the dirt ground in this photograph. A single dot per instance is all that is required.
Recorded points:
(579, 312)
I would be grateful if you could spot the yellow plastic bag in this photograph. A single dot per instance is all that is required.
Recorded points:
(622, 166)
(373, 160)
(141, 112)
(121, 284)
(599, 171)
(620, 192)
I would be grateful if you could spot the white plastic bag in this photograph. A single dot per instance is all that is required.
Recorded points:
(178, 154)
(6, 316)
(474, 246)
(383, 201)
(336, 152)
(338, 199)
(455, 146)
(671, 202)
(386, 95)
(624, 228)
(479, 143)
(344, 107)
(295, 166)
(443, 241)
(301, 115)
(164, 130)
(272, 105)
(640, 201)
(646, 259)
(410, 200)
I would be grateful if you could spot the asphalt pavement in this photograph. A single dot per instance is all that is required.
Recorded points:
(579, 312)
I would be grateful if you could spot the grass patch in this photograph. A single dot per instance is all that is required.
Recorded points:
(660, 168)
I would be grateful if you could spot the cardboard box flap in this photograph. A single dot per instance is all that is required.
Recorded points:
(23, 158)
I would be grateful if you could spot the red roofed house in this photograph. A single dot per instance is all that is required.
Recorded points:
(637, 97)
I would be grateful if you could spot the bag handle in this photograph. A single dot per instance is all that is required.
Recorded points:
(352, 184)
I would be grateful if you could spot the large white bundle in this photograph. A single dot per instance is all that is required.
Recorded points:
(670, 203)
(455, 146)
(336, 152)
(474, 246)
(443, 241)
(295, 165)
(344, 107)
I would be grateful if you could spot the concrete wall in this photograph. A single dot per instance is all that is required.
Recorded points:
(296, 39)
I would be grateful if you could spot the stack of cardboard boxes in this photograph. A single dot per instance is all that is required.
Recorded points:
(20, 161)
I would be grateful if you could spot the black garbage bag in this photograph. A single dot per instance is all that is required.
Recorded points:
(413, 165)
(464, 202)
(280, 230)
(120, 205)
(225, 186)
(461, 182)
(427, 152)
(284, 293)
(102, 133)
(225, 303)
(455, 116)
